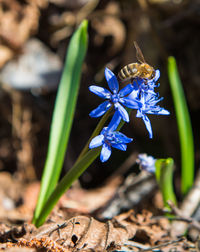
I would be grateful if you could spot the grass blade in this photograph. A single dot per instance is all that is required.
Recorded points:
(63, 114)
(184, 127)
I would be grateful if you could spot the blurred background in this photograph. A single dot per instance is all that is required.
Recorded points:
(34, 36)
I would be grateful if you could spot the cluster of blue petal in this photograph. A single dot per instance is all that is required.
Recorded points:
(146, 163)
(139, 95)
(147, 99)
(110, 138)
(114, 97)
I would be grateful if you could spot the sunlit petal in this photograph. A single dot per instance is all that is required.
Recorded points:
(101, 92)
(105, 153)
(121, 138)
(96, 142)
(131, 103)
(101, 109)
(122, 147)
(126, 90)
(122, 111)
(115, 121)
(112, 80)
(148, 125)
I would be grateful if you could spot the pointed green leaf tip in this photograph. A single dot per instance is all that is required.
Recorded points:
(84, 26)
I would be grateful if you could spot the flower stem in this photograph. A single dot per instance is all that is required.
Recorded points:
(95, 133)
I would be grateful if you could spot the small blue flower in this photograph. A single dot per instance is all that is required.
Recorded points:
(149, 106)
(147, 100)
(115, 97)
(144, 85)
(146, 163)
(109, 138)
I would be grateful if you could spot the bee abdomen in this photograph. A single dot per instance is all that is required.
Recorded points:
(127, 71)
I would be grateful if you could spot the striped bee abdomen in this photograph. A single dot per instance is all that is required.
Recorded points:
(129, 71)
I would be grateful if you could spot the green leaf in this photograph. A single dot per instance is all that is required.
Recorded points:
(164, 177)
(63, 114)
(184, 127)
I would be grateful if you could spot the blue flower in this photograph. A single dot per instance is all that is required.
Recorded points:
(149, 106)
(146, 163)
(143, 85)
(147, 100)
(115, 97)
(110, 138)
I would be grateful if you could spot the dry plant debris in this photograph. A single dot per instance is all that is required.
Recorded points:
(109, 24)
(88, 201)
(187, 209)
(138, 232)
(83, 233)
(20, 19)
(67, 230)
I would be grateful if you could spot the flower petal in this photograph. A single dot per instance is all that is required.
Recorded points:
(146, 163)
(112, 80)
(101, 92)
(101, 109)
(157, 75)
(126, 90)
(134, 94)
(122, 111)
(122, 147)
(158, 111)
(131, 103)
(148, 125)
(96, 141)
(112, 126)
(105, 153)
(121, 138)
(139, 113)
(163, 112)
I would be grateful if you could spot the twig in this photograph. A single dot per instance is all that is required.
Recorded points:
(63, 225)
(193, 223)
(164, 244)
(50, 229)
(187, 208)
(146, 248)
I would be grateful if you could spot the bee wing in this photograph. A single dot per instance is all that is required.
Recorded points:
(139, 54)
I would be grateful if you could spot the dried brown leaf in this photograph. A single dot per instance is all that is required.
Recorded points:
(83, 232)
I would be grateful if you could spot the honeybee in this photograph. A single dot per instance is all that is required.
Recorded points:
(137, 70)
